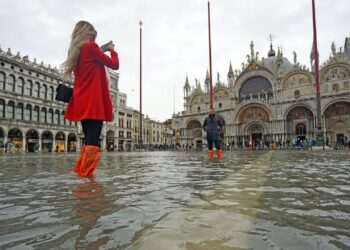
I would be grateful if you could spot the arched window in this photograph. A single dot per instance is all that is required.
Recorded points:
(36, 90)
(50, 116)
(44, 92)
(28, 112)
(28, 88)
(19, 111)
(62, 120)
(11, 110)
(43, 115)
(50, 94)
(198, 109)
(296, 94)
(19, 86)
(35, 115)
(10, 85)
(220, 105)
(2, 108)
(2, 81)
(56, 118)
(300, 129)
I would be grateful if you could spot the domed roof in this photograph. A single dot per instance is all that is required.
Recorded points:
(271, 52)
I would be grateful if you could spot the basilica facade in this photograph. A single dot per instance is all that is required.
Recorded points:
(271, 99)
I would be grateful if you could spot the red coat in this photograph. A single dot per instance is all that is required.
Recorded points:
(91, 98)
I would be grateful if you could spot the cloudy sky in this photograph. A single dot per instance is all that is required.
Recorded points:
(174, 37)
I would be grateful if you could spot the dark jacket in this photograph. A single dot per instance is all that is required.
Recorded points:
(212, 125)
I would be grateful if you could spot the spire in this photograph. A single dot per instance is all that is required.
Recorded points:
(187, 84)
(207, 78)
(230, 71)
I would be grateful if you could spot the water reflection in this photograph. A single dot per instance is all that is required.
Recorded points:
(91, 203)
(172, 200)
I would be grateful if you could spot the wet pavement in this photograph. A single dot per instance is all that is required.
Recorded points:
(177, 200)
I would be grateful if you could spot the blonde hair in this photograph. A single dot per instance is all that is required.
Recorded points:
(83, 32)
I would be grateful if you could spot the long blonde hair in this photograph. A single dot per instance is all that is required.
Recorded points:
(83, 32)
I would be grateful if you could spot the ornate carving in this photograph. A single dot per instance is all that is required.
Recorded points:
(296, 80)
(333, 73)
(253, 114)
(299, 113)
(338, 109)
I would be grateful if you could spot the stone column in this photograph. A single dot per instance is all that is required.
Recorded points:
(24, 144)
(66, 143)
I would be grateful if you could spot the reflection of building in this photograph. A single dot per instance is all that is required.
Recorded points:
(272, 99)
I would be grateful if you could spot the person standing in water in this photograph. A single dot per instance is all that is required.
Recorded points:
(213, 125)
(90, 102)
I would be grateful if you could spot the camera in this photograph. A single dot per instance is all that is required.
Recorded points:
(104, 47)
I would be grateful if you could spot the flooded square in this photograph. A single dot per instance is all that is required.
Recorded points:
(177, 200)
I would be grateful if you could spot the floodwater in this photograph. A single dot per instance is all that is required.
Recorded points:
(177, 200)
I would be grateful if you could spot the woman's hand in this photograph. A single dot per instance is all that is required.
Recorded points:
(111, 46)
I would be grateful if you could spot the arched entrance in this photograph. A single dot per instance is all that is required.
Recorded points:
(59, 142)
(72, 143)
(46, 141)
(32, 139)
(252, 121)
(194, 134)
(15, 140)
(256, 134)
(337, 120)
(110, 140)
(300, 123)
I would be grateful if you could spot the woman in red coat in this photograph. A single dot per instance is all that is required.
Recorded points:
(90, 102)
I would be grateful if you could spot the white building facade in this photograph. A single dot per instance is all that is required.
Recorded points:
(271, 99)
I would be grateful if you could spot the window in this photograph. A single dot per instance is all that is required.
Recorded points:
(19, 86)
(2, 81)
(19, 111)
(28, 88)
(300, 129)
(43, 115)
(11, 110)
(220, 105)
(335, 87)
(50, 94)
(198, 109)
(296, 94)
(62, 121)
(44, 92)
(56, 118)
(36, 88)
(50, 116)
(35, 115)
(10, 86)
(2, 108)
(28, 112)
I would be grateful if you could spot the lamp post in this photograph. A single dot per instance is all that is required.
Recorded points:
(140, 141)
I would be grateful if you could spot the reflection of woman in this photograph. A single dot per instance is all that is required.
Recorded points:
(91, 202)
(90, 102)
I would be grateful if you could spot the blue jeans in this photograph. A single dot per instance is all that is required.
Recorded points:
(216, 142)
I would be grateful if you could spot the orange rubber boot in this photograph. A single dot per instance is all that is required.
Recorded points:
(219, 153)
(89, 161)
(210, 154)
(80, 156)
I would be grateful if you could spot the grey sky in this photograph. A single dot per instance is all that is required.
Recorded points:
(175, 37)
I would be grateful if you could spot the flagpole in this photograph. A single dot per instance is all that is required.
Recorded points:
(317, 78)
(140, 141)
(210, 62)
